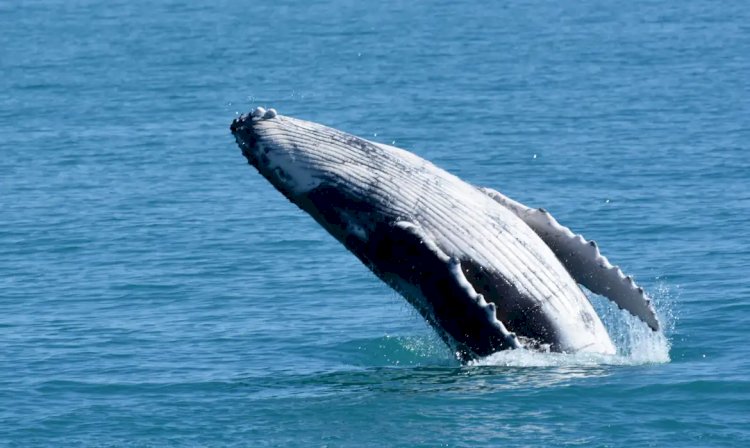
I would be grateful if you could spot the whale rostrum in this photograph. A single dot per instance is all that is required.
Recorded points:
(487, 272)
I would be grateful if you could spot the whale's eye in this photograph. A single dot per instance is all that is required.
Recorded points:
(281, 174)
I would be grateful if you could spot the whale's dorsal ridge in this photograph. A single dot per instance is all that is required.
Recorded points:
(583, 260)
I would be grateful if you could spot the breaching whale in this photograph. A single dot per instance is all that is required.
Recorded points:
(487, 272)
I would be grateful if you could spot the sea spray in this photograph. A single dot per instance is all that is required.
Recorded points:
(636, 343)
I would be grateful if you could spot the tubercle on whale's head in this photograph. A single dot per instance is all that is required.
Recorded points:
(269, 142)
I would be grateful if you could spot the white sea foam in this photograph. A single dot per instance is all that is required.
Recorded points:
(653, 349)
(636, 343)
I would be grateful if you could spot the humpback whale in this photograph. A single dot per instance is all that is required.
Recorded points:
(487, 272)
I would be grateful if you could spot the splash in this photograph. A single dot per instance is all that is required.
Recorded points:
(636, 343)
(646, 349)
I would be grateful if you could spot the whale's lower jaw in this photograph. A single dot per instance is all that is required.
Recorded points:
(468, 263)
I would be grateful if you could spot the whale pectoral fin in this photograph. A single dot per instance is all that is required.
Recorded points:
(442, 276)
(583, 260)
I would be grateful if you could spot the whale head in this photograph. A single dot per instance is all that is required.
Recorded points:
(282, 150)
(327, 173)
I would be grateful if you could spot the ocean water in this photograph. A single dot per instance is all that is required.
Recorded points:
(156, 291)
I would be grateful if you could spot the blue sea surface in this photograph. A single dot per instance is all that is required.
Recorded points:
(157, 291)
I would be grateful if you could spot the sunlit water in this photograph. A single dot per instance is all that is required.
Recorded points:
(156, 291)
